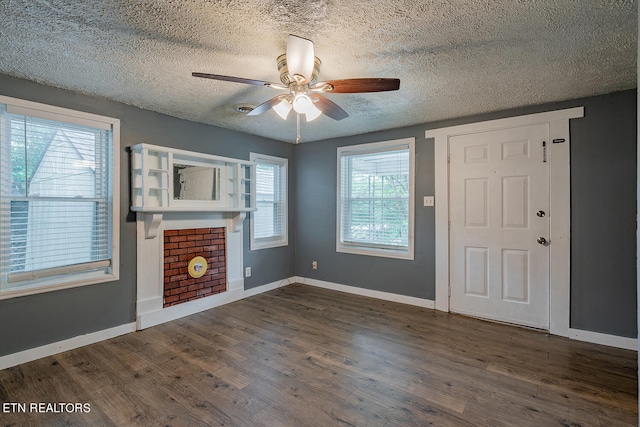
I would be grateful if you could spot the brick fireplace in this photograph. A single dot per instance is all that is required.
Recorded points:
(184, 246)
(167, 243)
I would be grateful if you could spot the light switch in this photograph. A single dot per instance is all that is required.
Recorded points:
(429, 200)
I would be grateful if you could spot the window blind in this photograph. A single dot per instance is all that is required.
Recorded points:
(269, 214)
(269, 220)
(56, 197)
(374, 198)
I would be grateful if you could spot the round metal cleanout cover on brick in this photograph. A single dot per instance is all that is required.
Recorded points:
(197, 267)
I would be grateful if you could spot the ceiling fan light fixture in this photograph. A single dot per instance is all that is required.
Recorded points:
(313, 114)
(282, 109)
(299, 69)
(302, 103)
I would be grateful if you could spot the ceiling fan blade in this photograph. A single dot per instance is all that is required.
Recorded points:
(236, 80)
(359, 85)
(300, 57)
(328, 107)
(265, 106)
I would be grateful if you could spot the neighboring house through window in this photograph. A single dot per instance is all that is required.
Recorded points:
(269, 221)
(58, 199)
(376, 199)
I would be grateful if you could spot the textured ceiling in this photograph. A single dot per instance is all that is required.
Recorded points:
(454, 58)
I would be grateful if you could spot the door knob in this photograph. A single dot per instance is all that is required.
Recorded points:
(540, 214)
(542, 241)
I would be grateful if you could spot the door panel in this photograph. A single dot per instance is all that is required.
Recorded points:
(477, 271)
(515, 202)
(476, 203)
(498, 181)
(515, 275)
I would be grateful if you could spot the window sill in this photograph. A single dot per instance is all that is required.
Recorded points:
(268, 243)
(56, 285)
(385, 253)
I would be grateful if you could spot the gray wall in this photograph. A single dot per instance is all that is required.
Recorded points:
(603, 214)
(316, 215)
(603, 161)
(36, 320)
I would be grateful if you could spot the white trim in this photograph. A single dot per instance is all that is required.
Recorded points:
(32, 354)
(378, 147)
(167, 314)
(150, 270)
(268, 287)
(65, 345)
(604, 339)
(387, 296)
(559, 200)
(52, 112)
(283, 240)
(29, 355)
(509, 122)
(559, 229)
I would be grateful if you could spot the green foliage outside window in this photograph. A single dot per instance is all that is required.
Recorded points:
(27, 152)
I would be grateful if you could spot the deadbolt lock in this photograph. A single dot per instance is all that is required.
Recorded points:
(541, 214)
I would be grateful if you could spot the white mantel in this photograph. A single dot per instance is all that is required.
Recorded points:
(150, 267)
(222, 201)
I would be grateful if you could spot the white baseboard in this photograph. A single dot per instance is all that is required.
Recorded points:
(387, 296)
(162, 315)
(153, 318)
(604, 339)
(269, 287)
(176, 312)
(577, 334)
(143, 321)
(65, 345)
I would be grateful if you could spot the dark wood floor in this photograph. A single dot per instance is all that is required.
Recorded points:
(303, 356)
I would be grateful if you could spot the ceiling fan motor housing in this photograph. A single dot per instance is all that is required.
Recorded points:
(286, 79)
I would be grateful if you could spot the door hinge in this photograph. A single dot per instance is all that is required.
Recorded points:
(544, 151)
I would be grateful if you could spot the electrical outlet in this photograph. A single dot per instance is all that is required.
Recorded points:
(314, 265)
(247, 272)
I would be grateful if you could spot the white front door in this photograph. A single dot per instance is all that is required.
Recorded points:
(498, 210)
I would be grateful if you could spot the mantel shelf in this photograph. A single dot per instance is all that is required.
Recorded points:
(190, 209)
(153, 220)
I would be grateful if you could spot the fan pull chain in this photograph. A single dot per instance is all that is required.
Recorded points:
(298, 128)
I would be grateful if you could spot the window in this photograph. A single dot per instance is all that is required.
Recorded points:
(269, 221)
(376, 199)
(58, 202)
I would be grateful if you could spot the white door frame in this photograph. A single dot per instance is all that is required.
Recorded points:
(559, 211)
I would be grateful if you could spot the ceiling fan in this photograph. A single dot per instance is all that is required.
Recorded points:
(299, 68)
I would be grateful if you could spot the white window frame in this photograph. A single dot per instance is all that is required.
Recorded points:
(374, 148)
(282, 240)
(56, 282)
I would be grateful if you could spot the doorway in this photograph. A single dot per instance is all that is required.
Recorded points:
(558, 215)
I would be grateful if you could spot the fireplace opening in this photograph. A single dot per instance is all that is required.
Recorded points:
(194, 264)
